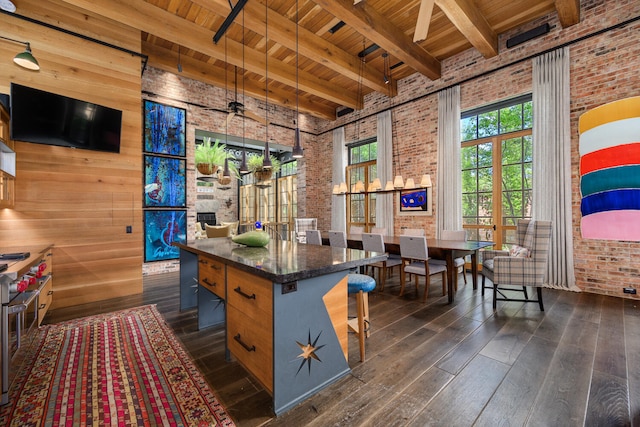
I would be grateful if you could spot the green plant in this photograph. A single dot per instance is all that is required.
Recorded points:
(213, 155)
(254, 163)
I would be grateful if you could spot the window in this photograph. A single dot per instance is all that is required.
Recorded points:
(497, 169)
(273, 202)
(361, 208)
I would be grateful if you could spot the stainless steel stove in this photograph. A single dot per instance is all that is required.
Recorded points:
(20, 286)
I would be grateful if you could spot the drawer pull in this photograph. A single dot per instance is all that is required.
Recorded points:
(247, 296)
(246, 347)
(41, 306)
(206, 282)
(50, 292)
(202, 261)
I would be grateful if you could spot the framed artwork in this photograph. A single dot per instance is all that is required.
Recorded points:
(164, 129)
(415, 202)
(164, 182)
(161, 229)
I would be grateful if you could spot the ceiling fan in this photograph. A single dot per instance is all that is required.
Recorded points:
(237, 108)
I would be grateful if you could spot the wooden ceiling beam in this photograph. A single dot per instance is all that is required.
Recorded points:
(464, 15)
(165, 59)
(424, 19)
(378, 29)
(568, 12)
(310, 45)
(154, 20)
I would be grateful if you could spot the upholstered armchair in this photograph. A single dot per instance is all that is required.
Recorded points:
(524, 265)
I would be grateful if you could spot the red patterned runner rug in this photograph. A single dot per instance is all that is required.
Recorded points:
(125, 368)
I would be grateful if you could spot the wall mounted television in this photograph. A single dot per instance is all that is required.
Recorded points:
(48, 118)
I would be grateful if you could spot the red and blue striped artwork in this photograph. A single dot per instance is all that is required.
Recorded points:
(610, 171)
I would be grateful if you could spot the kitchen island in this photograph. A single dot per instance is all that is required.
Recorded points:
(284, 307)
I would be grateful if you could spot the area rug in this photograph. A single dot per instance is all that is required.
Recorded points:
(125, 368)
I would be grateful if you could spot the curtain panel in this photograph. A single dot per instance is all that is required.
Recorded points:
(449, 183)
(384, 202)
(339, 158)
(552, 162)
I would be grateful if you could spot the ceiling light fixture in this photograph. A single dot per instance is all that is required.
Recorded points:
(24, 59)
(266, 161)
(386, 73)
(298, 152)
(244, 168)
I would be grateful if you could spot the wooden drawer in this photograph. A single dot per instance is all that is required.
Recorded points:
(211, 274)
(251, 342)
(45, 299)
(250, 294)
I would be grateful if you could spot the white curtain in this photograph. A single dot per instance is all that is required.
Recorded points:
(384, 202)
(338, 203)
(449, 182)
(552, 162)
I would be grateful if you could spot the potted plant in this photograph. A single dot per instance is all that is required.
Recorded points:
(254, 163)
(210, 157)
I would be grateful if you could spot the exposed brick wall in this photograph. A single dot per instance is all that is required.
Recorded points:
(603, 69)
(206, 110)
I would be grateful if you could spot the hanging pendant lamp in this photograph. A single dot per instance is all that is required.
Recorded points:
(298, 152)
(266, 161)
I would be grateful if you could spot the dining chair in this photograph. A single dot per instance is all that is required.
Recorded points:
(359, 285)
(524, 265)
(379, 230)
(415, 260)
(354, 229)
(301, 225)
(373, 242)
(233, 226)
(337, 239)
(217, 230)
(458, 263)
(413, 232)
(313, 237)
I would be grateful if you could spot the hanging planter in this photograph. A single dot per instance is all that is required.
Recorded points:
(261, 174)
(210, 157)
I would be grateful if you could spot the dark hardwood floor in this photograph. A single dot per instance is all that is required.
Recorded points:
(436, 364)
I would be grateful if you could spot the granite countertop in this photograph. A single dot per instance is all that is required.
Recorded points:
(282, 261)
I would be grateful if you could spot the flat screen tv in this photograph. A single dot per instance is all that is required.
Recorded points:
(47, 118)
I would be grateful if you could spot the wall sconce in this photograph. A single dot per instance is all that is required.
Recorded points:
(24, 59)
(397, 184)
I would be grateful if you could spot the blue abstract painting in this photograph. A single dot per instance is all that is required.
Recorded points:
(164, 182)
(161, 229)
(164, 129)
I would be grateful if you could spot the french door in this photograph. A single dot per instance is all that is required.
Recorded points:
(496, 186)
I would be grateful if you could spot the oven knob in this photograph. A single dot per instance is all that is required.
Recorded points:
(32, 280)
(20, 286)
(42, 267)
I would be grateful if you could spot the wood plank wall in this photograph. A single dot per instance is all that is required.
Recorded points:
(79, 200)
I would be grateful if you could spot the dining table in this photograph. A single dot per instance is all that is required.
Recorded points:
(447, 250)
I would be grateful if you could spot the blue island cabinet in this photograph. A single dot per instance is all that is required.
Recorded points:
(285, 308)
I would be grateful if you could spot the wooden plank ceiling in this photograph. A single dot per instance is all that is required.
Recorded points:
(262, 41)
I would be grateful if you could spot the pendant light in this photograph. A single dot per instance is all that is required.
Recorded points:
(266, 161)
(244, 168)
(179, 63)
(298, 152)
(225, 172)
(24, 59)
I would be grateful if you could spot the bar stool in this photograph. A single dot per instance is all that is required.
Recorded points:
(361, 285)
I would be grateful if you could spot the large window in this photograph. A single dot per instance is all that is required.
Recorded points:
(361, 208)
(274, 202)
(496, 169)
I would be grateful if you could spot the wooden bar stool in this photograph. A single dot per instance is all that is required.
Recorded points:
(361, 285)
